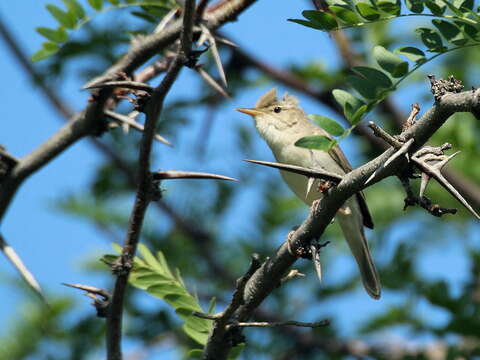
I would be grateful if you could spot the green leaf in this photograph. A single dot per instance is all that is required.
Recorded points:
(327, 124)
(315, 142)
(236, 351)
(195, 354)
(469, 30)
(389, 7)
(364, 88)
(306, 23)
(96, 4)
(431, 39)
(466, 4)
(212, 305)
(75, 8)
(435, 7)
(357, 116)
(182, 301)
(149, 279)
(450, 32)
(348, 102)
(411, 53)
(453, 8)
(198, 336)
(65, 19)
(48, 49)
(367, 11)
(56, 35)
(114, 2)
(415, 6)
(193, 321)
(345, 15)
(390, 62)
(377, 77)
(321, 18)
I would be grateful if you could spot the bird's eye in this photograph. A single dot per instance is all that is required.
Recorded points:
(277, 109)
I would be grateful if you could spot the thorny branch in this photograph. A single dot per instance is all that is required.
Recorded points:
(145, 189)
(267, 277)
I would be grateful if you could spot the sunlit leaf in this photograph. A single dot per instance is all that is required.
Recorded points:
(348, 102)
(66, 19)
(411, 53)
(345, 15)
(415, 6)
(390, 62)
(450, 32)
(375, 76)
(75, 8)
(367, 11)
(322, 18)
(56, 35)
(327, 124)
(431, 39)
(96, 4)
(48, 49)
(315, 142)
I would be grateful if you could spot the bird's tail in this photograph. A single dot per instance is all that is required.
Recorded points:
(350, 220)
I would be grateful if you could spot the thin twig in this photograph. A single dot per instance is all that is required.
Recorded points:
(175, 174)
(144, 190)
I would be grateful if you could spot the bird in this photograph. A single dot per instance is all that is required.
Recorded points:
(281, 123)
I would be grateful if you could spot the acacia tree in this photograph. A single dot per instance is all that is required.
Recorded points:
(361, 94)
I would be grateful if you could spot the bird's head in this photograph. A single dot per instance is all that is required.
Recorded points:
(272, 115)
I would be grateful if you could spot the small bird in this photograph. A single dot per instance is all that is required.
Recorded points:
(281, 123)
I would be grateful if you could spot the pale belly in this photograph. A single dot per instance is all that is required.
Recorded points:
(310, 159)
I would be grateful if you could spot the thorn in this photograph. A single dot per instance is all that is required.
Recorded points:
(310, 182)
(175, 174)
(423, 184)
(211, 81)
(215, 53)
(371, 177)
(315, 249)
(403, 150)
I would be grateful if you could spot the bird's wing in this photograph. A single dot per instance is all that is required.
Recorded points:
(337, 154)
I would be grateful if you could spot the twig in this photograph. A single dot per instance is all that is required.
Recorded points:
(175, 174)
(144, 190)
(389, 139)
(310, 173)
(127, 120)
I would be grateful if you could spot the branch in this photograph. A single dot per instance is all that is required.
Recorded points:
(268, 276)
(145, 189)
(149, 46)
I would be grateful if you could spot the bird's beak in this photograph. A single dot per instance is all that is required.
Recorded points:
(248, 111)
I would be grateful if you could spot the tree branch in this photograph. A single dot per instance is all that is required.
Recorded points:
(267, 277)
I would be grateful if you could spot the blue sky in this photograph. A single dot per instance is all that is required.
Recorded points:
(54, 245)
